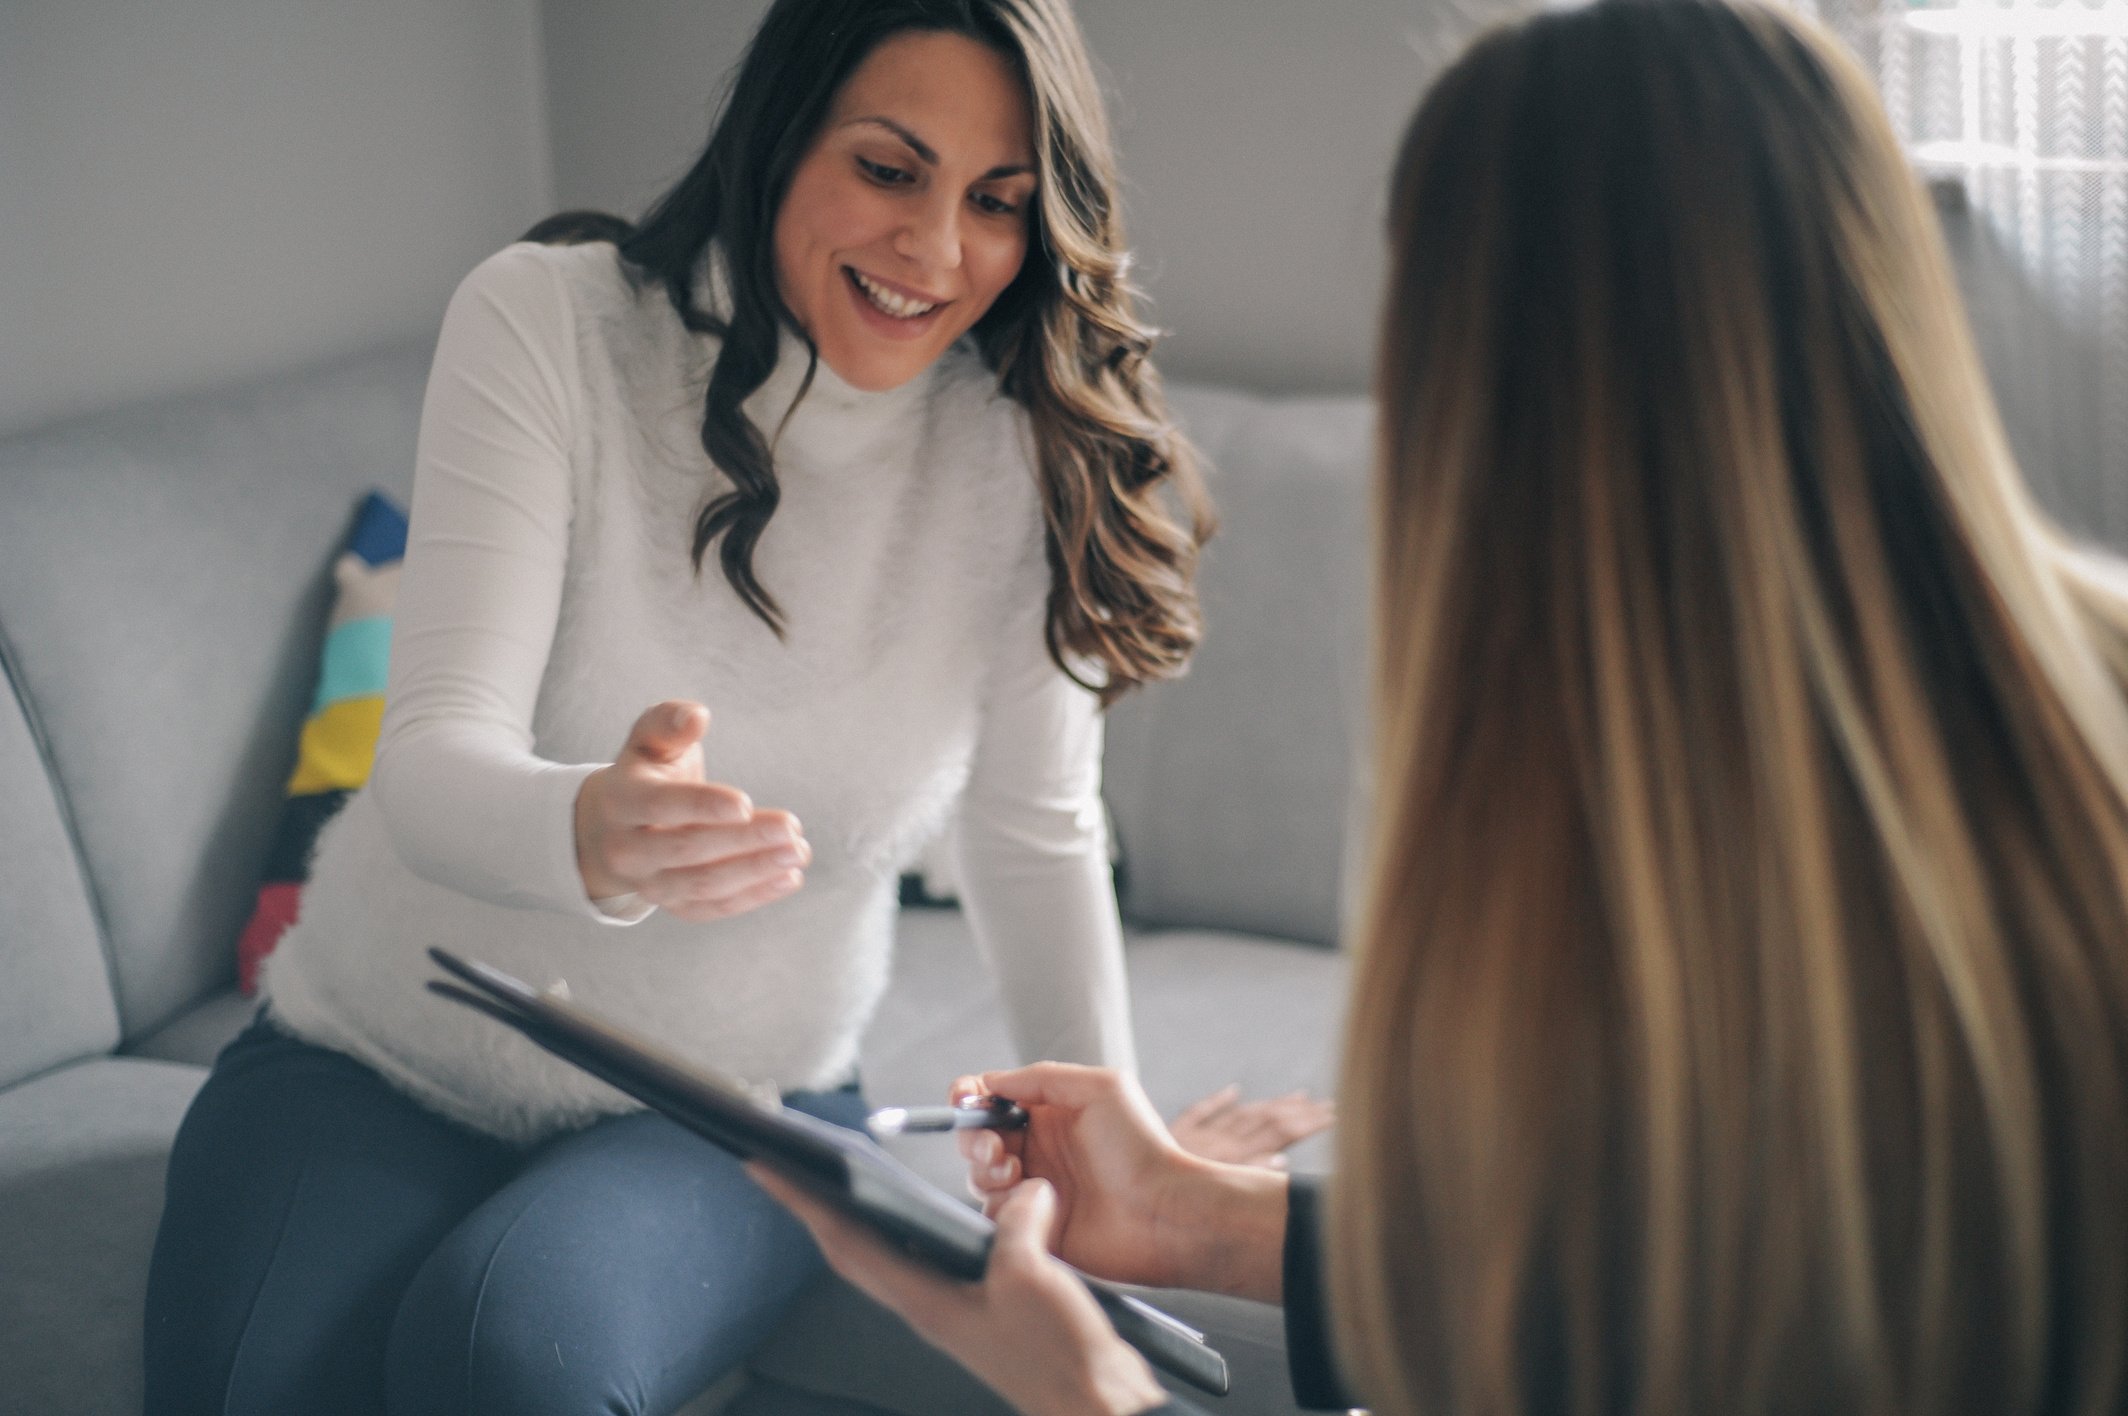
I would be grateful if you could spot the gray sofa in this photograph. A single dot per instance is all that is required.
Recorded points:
(163, 583)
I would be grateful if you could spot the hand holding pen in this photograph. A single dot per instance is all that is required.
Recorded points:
(1117, 1172)
(1097, 1141)
(1132, 1203)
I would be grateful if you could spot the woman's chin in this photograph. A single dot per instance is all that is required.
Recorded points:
(877, 370)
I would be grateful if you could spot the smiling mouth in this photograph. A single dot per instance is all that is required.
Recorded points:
(890, 303)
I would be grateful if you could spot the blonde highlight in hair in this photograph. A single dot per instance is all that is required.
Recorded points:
(1742, 1003)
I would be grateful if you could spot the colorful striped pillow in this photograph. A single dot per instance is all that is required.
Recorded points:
(339, 738)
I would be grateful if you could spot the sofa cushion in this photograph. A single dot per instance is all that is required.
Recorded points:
(163, 581)
(82, 1155)
(1230, 785)
(56, 1004)
(198, 1034)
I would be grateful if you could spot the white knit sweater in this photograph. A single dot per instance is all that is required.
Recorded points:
(548, 598)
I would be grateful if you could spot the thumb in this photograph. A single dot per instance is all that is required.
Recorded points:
(666, 730)
(1027, 1219)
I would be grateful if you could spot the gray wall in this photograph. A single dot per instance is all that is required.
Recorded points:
(631, 85)
(1255, 137)
(196, 191)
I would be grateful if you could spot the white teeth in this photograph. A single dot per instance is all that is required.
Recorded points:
(888, 302)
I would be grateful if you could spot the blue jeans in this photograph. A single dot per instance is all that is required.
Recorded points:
(330, 1246)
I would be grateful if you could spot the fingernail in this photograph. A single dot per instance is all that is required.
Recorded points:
(789, 855)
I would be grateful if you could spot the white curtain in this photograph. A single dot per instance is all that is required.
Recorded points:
(2018, 113)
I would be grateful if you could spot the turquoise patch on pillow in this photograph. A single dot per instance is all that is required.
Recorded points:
(357, 659)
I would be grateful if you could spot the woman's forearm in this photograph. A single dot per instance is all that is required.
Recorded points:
(1222, 1229)
(1031, 849)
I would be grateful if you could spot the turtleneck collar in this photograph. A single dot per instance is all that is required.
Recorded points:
(829, 391)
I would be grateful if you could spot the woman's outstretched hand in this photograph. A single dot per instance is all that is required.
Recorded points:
(1029, 1329)
(652, 825)
(1224, 1127)
(1132, 1204)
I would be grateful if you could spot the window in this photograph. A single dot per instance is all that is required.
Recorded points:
(2018, 114)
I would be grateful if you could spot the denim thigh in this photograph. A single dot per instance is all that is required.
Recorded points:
(623, 1269)
(303, 1195)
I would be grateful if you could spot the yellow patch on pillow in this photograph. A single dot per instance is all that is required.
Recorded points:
(338, 744)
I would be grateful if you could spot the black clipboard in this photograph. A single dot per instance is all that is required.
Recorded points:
(846, 1168)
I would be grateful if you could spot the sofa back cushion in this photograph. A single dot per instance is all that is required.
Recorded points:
(1231, 786)
(55, 986)
(164, 581)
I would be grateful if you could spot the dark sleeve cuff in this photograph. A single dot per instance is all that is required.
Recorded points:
(1309, 1354)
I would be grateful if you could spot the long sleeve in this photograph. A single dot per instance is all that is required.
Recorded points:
(1310, 1357)
(466, 801)
(1032, 857)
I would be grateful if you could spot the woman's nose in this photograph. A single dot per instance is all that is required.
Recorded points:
(932, 237)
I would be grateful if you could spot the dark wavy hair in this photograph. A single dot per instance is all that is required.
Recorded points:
(1122, 496)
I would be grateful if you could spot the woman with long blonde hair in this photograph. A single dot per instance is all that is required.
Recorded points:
(1746, 987)
(1740, 1018)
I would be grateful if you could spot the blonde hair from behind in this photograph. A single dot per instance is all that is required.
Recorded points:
(1741, 1013)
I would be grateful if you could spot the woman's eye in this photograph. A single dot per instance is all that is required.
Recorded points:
(881, 173)
(996, 206)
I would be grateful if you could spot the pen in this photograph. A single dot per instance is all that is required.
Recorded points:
(993, 1113)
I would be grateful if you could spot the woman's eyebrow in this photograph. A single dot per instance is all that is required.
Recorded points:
(927, 154)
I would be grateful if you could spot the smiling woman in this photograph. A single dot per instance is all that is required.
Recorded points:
(909, 217)
(886, 311)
